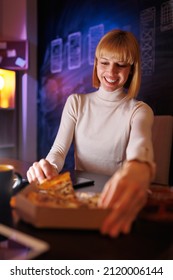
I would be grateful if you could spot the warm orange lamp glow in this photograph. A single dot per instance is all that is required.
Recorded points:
(1, 82)
(7, 88)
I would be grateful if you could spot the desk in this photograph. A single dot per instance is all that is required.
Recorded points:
(147, 240)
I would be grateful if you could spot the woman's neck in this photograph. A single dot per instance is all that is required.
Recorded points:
(115, 95)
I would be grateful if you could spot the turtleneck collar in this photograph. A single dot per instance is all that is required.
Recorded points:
(112, 96)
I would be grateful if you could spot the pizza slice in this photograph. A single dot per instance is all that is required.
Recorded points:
(59, 192)
(57, 182)
(61, 184)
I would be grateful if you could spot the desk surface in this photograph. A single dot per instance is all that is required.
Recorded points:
(147, 240)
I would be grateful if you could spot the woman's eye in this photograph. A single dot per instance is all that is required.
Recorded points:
(122, 65)
(104, 63)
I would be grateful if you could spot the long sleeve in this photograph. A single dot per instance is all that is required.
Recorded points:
(64, 138)
(140, 141)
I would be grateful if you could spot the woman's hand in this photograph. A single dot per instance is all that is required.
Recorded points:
(126, 194)
(40, 171)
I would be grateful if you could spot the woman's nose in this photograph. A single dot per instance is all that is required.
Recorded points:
(113, 69)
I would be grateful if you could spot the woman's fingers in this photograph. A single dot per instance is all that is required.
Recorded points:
(125, 194)
(41, 170)
(48, 169)
(31, 175)
(112, 191)
(123, 213)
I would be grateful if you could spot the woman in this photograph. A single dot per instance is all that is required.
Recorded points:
(111, 131)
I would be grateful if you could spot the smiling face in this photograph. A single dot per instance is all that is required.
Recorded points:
(117, 63)
(111, 72)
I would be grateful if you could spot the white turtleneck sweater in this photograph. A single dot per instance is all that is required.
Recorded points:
(107, 128)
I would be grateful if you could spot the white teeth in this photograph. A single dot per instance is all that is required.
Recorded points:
(110, 80)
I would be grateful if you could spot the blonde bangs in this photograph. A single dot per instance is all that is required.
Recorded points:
(118, 47)
(118, 52)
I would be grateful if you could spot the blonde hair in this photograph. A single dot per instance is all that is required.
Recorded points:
(124, 47)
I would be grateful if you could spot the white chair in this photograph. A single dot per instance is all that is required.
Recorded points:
(162, 144)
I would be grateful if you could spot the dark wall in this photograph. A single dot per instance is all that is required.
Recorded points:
(156, 38)
(68, 32)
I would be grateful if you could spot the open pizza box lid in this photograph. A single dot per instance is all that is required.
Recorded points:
(51, 217)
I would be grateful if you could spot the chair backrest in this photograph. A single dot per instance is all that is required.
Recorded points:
(162, 144)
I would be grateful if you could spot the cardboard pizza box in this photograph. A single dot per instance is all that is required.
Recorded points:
(50, 217)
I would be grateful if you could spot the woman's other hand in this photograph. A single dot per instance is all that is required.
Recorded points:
(40, 171)
(126, 194)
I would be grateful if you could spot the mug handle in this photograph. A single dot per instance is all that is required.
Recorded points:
(18, 184)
